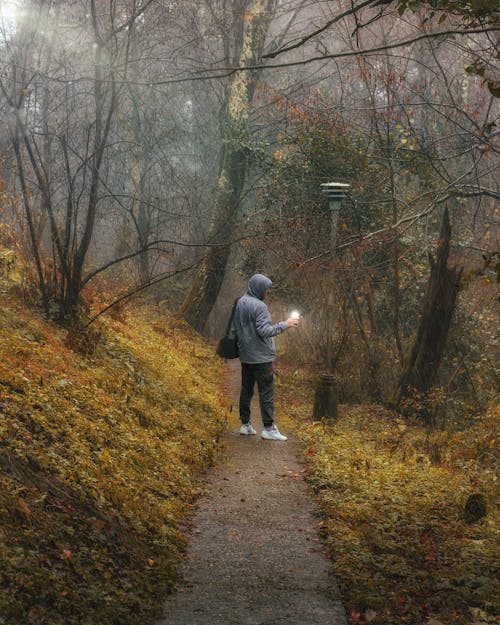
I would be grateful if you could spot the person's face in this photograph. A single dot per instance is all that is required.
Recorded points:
(266, 294)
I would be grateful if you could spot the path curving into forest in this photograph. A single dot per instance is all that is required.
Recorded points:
(255, 557)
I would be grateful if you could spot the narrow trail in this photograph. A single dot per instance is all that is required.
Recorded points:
(255, 557)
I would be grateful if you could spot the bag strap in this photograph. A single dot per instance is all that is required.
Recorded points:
(231, 317)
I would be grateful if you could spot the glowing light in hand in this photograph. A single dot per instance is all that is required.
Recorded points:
(295, 314)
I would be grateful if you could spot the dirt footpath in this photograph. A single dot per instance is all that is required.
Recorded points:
(255, 557)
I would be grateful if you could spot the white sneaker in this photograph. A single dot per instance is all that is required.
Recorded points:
(273, 434)
(247, 428)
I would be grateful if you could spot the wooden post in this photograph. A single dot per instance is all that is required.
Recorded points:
(326, 399)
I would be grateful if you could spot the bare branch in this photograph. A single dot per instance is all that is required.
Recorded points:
(303, 40)
(140, 288)
(225, 72)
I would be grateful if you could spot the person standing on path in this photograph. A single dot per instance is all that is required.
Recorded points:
(255, 332)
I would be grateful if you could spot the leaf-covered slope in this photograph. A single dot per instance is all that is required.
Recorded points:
(393, 498)
(99, 457)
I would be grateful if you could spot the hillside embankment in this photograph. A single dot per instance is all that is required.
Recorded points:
(102, 441)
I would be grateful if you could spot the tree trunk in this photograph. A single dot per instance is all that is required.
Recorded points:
(105, 105)
(422, 365)
(208, 280)
(206, 286)
(371, 360)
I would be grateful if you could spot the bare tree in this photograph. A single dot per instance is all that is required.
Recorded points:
(253, 18)
(64, 97)
(422, 365)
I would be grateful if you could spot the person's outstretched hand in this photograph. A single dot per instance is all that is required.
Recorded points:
(292, 323)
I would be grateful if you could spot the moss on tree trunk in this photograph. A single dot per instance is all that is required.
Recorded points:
(235, 125)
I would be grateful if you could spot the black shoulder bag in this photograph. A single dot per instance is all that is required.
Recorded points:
(228, 345)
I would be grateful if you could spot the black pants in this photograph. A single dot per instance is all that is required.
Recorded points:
(263, 375)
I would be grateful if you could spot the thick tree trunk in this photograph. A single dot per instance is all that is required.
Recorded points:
(425, 356)
(208, 280)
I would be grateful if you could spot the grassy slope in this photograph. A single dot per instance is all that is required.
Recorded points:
(99, 457)
(392, 498)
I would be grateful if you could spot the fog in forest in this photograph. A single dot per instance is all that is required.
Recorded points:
(164, 151)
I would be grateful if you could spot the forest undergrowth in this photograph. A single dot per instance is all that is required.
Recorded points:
(103, 438)
(392, 498)
(100, 456)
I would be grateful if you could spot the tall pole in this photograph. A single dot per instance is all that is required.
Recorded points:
(326, 396)
(335, 193)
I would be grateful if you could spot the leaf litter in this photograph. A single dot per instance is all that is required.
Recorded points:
(392, 511)
(100, 456)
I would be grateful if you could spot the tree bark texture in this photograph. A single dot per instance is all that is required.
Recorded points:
(235, 131)
(426, 353)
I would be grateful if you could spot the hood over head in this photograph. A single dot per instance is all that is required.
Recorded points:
(258, 284)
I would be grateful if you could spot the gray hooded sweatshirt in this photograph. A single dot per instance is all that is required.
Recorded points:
(252, 322)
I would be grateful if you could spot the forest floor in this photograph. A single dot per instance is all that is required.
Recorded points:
(103, 438)
(104, 441)
(255, 555)
(393, 509)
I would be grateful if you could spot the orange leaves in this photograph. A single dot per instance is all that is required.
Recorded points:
(428, 542)
(363, 617)
(105, 450)
(24, 506)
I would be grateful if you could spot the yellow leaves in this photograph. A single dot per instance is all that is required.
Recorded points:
(24, 92)
(393, 518)
(120, 436)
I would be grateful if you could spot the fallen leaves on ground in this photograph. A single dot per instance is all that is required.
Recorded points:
(392, 499)
(99, 459)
